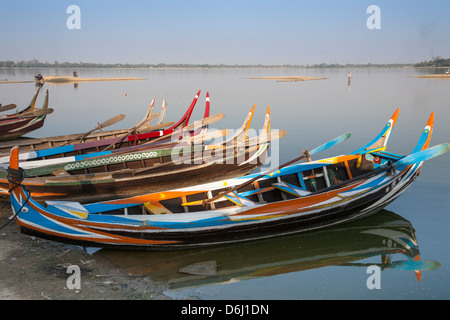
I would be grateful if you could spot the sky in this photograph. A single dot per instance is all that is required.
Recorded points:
(225, 32)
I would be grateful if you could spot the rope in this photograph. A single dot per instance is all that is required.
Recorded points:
(15, 177)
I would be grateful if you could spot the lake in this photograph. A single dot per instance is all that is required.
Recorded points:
(333, 263)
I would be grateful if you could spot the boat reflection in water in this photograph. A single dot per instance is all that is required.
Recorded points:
(384, 234)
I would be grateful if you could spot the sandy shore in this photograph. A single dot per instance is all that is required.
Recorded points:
(68, 79)
(36, 269)
(287, 79)
(1, 82)
(64, 79)
(434, 76)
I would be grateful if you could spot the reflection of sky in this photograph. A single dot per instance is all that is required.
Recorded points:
(312, 112)
(230, 32)
(335, 282)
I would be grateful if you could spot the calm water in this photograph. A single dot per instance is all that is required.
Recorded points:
(331, 264)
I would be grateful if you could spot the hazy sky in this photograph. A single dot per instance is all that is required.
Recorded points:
(228, 32)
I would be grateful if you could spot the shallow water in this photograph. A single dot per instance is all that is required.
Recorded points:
(325, 265)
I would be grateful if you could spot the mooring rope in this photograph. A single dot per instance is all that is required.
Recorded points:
(15, 177)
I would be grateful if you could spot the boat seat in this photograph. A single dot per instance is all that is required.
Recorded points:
(156, 208)
(73, 208)
(289, 188)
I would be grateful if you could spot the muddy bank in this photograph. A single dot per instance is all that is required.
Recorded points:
(36, 269)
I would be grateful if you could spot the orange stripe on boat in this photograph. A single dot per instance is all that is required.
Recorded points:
(293, 205)
(115, 238)
(430, 123)
(395, 116)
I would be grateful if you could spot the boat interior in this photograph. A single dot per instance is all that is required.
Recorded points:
(293, 182)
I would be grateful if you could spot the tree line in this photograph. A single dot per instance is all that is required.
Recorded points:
(38, 64)
(435, 62)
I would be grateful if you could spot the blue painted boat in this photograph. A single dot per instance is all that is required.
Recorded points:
(294, 198)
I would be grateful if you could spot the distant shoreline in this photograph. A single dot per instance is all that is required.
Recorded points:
(434, 76)
(287, 78)
(68, 79)
(211, 66)
(65, 79)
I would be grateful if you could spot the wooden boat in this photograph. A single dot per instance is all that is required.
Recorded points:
(25, 121)
(294, 198)
(69, 145)
(128, 173)
(189, 135)
(125, 142)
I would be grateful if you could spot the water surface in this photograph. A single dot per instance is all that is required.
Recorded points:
(322, 265)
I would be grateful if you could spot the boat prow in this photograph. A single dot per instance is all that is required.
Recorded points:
(380, 141)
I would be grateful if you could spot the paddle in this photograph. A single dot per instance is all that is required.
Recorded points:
(406, 161)
(156, 127)
(408, 265)
(100, 126)
(7, 107)
(196, 124)
(305, 154)
(137, 126)
(423, 155)
(265, 138)
(35, 113)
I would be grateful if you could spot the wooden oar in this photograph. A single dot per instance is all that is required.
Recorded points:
(189, 127)
(7, 107)
(35, 113)
(156, 127)
(305, 154)
(100, 126)
(265, 138)
(200, 139)
(136, 127)
(423, 155)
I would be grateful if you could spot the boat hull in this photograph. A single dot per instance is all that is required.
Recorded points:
(290, 199)
(20, 127)
(180, 176)
(230, 231)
